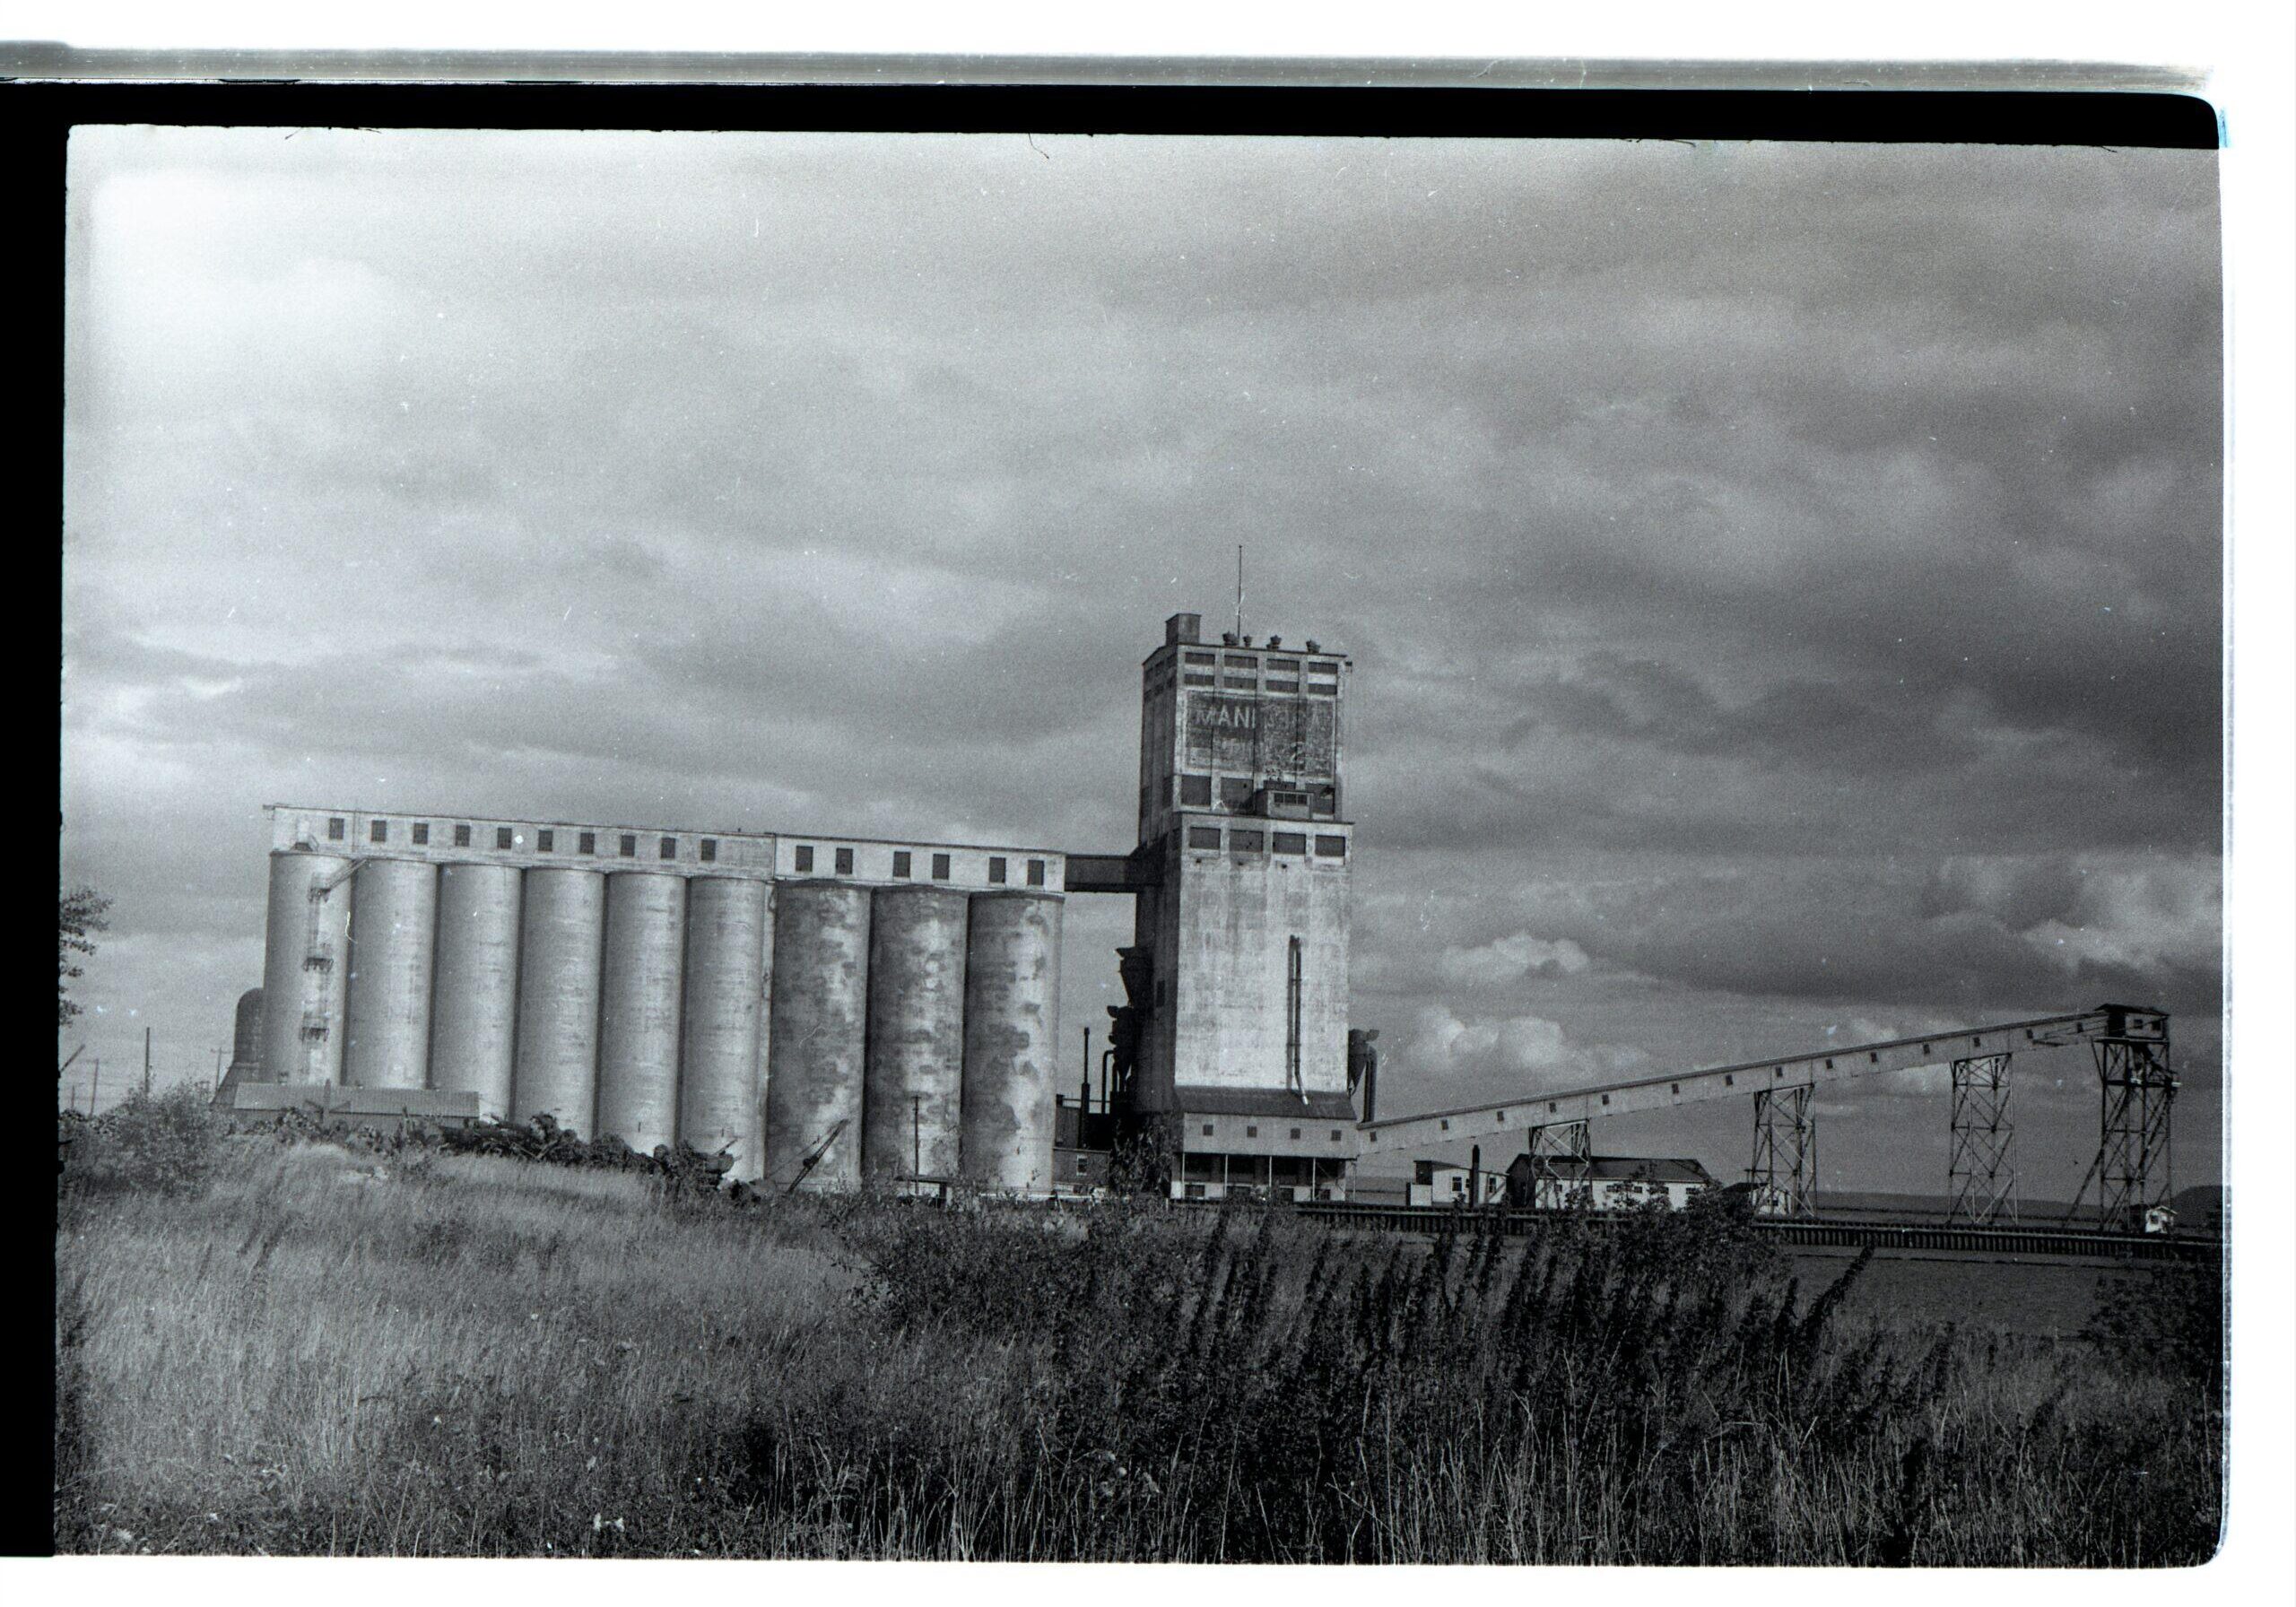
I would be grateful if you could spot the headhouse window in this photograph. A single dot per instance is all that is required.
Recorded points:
(379, 831)
(900, 862)
(334, 828)
(546, 842)
(1322, 668)
(1203, 836)
(1196, 791)
(587, 843)
(1197, 678)
(629, 845)
(709, 850)
(462, 837)
(1331, 847)
(1291, 842)
(1036, 872)
(1235, 791)
(504, 837)
(940, 867)
(669, 848)
(996, 869)
(1248, 842)
(804, 858)
(1199, 659)
(421, 833)
(845, 862)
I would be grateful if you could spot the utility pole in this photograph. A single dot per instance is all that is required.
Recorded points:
(147, 1063)
(218, 1081)
(95, 1081)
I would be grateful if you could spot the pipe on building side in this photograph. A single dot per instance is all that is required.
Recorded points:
(910, 1089)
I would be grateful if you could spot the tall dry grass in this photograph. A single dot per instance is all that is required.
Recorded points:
(470, 1355)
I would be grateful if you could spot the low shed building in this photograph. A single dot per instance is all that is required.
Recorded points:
(1602, 1182)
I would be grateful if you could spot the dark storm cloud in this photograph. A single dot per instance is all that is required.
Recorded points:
(1832, 528)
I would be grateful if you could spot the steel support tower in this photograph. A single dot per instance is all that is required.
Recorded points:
(1980, 1179)
(1785, 1170)
(2138, 1092)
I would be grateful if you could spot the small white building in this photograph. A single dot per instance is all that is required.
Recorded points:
(1444, 1183)
(1602, 1182)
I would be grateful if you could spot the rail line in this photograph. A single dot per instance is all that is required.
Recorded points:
(2081, 1243)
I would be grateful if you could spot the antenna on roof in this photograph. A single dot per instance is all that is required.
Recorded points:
(1239, 591)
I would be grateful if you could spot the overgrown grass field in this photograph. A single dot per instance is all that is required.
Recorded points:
(309, 1350)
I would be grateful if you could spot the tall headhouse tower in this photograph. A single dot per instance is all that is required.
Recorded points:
(1238, 969)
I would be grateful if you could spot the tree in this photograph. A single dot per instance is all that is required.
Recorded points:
(78, 913)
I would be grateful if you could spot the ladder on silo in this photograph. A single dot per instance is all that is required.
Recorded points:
(319, 957)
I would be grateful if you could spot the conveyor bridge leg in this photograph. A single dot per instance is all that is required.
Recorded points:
(1980, 1180)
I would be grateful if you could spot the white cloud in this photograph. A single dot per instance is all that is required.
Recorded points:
(1511, 958)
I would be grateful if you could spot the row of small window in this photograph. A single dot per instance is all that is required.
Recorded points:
(1276, 666)
(1245, 683)
(1236, 793)
(1256, 842)
(1253, 1131)
(506, 837)
(904, 862)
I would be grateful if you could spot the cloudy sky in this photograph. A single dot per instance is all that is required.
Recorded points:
(1784, 581)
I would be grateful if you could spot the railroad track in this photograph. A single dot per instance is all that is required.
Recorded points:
(2084, 1243)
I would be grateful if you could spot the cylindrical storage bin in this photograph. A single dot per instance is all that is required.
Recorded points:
(561, 942)
(638, 1013)
(306, 963)
(1011, 1010)
(394, 921)
(817, 1023)
(916, 1033)
(246, 1037)
(475, 984)
(721, 1086)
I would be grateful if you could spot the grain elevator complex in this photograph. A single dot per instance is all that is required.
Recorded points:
(836, 1012)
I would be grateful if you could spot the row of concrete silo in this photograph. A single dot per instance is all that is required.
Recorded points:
(915, 1023)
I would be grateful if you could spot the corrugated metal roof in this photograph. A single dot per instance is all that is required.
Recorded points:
(1264, 1101)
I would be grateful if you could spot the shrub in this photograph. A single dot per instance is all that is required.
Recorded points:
(165, 1142)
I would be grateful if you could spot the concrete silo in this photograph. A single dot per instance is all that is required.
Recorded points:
(475, 988)
(394, 921)
(728, 960)
(247, 1042)
(818, 1022)
(916, 1033)
(306, 956)
(639, 1006)
(561, 943)
(1012, 993)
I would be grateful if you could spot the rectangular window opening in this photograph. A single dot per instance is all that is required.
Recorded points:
(940, 867)
(462, 837)
(587, 843)
(1203, 836)
(845, 862)
(709, 850)
(1331, 847)
(421, 833)
(504, 837)
(669, 848)
(630, 845)
(1196, 791)
(546, 842)
(804, 858)
(900, 863)
(995, 868)
(334, 828)
(379, 831)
